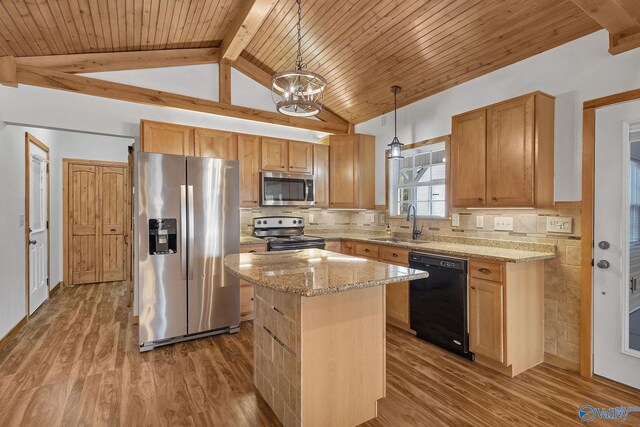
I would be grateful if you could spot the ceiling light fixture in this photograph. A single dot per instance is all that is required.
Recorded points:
(395, 148)
(298, 92)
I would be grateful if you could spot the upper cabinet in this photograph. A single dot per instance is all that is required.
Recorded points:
(321, 174)
(216, 144)
(249, 159)
(351, 171)
(166, 138)
(502, 155)
(275, 154)
(300, 157)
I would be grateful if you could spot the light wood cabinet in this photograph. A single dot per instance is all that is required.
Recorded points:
(502, 155)
(348, 248)
(333, 246)
(321, 175)
(506, 314)
(486, 310)
(300, 157)
(166, 138)
(351, 171)
(367, 250)
(249, 159)
(274, 154)
(216, 144)
(468, 159)
(247, 298)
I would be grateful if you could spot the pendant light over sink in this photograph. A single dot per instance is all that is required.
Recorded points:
(395, 148)
(298, 92)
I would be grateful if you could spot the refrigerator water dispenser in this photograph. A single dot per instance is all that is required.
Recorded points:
(163, 236)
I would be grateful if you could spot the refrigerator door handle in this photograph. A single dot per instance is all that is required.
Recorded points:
(183, 231)
(191, 232)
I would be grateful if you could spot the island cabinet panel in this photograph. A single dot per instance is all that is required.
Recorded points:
(506, 314)
(216, 144)
(274, 154)
(249, 159)
(397, 293)
(300, 157)
(166, 138)
(333, 246)
(247, 299)
(502, 155)
(321, 174)
(468, 159)
(510, 153)
(351, 171)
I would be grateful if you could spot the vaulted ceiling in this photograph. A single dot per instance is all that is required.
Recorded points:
(362, 47)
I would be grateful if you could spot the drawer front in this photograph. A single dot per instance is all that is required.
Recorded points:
(348, 248)
(333, 246)
(253, 248)
(367, 250)
(486, 270)
(394, 255)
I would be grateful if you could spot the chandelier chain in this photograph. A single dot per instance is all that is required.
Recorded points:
(299, 64)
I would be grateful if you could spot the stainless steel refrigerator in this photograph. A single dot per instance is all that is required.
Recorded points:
(188, 220)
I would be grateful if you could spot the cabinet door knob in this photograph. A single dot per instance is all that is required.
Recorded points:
(480, 199)
(252, 251)
(495, 199)
(395, 255)
(484, 271)
(473, 287)
(366, 249)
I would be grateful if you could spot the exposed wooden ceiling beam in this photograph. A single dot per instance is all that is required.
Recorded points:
(51, 79)
(621, 18)
(110, 61)
(224, 83)
(256, 73)
(244, 26)
(8, 71)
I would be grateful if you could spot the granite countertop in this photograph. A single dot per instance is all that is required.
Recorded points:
(250, 240)
(313, 272)
(488, 249)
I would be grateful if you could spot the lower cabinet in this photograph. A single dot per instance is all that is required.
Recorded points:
(333, 246)
(506, 314)
(348, 248)
(247, 299)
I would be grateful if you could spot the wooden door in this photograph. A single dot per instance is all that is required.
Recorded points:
(468, 159)
(249, 158)
(84, 233)
(274, 155)
(321, 174)
(113, 209)
(486, 319)
(343, 171)
(510, 153)
(300, 157)
(215, 144)
(166, 138)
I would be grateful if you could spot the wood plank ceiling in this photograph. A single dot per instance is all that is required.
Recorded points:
(362, 47)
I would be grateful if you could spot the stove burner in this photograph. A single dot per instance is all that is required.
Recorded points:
(285, 233)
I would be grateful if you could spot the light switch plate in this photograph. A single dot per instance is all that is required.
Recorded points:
(369, 217)
(455, 220)
(559, 224)
(503, 223)
(312, 218)
(480, 221)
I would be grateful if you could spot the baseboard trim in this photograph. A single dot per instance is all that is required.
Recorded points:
(53, 292)
(12, 333)
(135, 320)
(561, 362)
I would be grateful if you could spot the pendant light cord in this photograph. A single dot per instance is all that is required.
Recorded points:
(299, 55)
(395, 113)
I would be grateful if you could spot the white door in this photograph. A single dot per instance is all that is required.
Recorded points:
(38, 244)
(616, 319)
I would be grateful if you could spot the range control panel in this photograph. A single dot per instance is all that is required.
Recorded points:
(278, 222)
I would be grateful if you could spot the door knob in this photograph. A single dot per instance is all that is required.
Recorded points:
(603, 264)
(33, 242)
(604, 245)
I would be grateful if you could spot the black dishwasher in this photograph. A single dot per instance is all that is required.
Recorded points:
(438, 304)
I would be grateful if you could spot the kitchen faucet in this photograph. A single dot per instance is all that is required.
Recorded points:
(414, 232)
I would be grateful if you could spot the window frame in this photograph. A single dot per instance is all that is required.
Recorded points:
(446, 139)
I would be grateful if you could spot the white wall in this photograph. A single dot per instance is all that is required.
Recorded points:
(12, 204)
(573, 73)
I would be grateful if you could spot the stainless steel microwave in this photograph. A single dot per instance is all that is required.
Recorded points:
(286, 189)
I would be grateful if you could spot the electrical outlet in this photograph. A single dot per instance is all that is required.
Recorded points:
(312, 218)
(369, 217)
(558, 224)
(479, 222)
(503, 223)
(455, 220)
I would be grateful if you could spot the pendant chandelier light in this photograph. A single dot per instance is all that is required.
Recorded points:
(298, 92)
(395, 148)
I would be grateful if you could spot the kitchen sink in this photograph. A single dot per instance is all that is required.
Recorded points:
(391, 240)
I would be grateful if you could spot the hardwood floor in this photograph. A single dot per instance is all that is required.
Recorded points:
(77, 363)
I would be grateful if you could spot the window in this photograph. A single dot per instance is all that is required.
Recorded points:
(419, 179)
(634, 201)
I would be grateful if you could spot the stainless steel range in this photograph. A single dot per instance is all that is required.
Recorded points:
(285, 233)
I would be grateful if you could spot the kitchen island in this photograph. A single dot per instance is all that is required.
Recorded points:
(319, 333)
